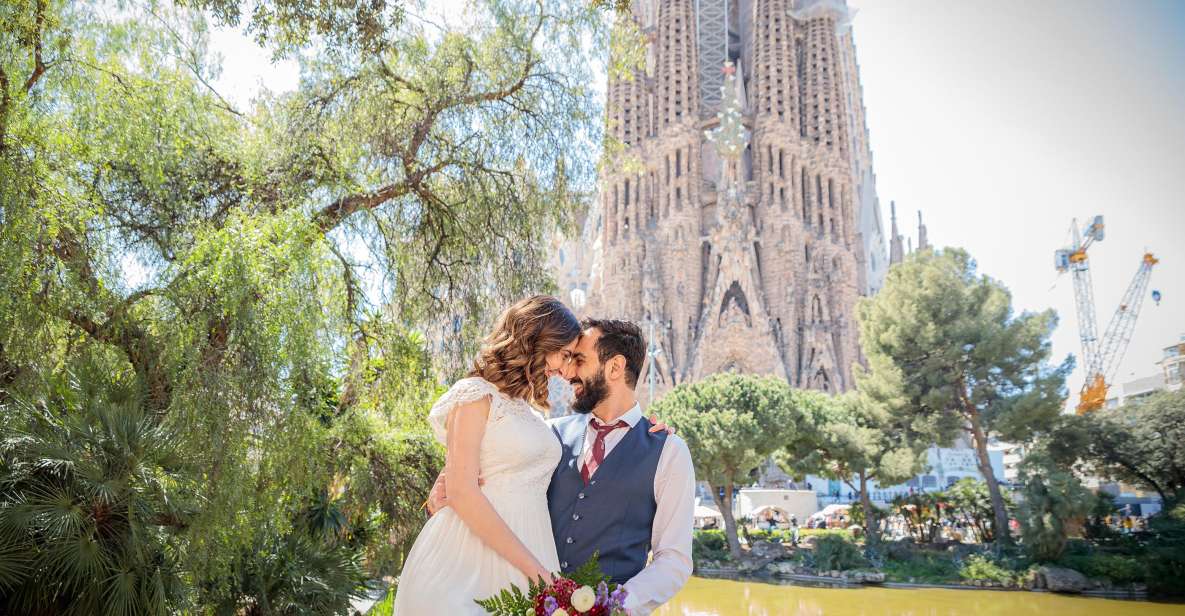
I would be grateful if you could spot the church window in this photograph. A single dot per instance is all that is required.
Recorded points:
(806, 219)
(782, 196)
(627, 193)
(678, 198)
(781, 163)
(679, 163)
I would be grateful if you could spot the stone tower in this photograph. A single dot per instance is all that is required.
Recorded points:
(749, 260)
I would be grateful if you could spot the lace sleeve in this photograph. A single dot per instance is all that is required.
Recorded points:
(462, 392)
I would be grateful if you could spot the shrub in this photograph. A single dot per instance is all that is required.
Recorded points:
(1121, 569)
(709, 545)
(1053, 499)
(980, 567)
(1166, 560)
(921, 567)
(837, 552)
(1166, 571)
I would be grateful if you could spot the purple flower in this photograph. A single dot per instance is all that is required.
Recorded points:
(602, 593)
(617, 599)
(550, 605)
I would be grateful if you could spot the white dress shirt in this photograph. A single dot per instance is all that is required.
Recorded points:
(670, 540)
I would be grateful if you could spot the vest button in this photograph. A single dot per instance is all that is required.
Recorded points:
(564, 565)
(568, 540)
(580, 496)
(575, 516)
(593, 482)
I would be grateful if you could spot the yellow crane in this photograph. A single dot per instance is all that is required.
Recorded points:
(1100, 356)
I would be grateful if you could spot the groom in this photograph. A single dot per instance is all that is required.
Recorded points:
(620, 490)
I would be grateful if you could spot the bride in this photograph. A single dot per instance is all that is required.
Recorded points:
(499, 533)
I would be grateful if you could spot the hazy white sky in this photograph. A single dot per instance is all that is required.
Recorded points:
(1001, 121)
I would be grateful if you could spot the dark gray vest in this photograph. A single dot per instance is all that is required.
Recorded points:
(614, 514)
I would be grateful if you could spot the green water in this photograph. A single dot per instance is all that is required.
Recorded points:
(702, 597)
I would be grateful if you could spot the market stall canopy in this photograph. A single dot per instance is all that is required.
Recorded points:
(830, 510)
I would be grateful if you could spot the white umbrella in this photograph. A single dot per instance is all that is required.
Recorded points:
(707, 512)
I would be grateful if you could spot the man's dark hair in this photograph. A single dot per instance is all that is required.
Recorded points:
(620, 338)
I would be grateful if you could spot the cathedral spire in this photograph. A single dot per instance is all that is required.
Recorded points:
(896, 247)
(730, 138)
(923, 241)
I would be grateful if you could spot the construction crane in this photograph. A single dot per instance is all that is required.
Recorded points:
(1101, 356)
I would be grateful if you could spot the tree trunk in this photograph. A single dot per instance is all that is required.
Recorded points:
(1003, 535)
(871, 530)
(730, 524)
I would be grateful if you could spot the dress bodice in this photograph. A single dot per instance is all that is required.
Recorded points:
(519, 452)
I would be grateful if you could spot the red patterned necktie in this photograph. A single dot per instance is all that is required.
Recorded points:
(598, 449)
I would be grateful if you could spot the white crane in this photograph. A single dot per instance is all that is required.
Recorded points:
(1100, 356)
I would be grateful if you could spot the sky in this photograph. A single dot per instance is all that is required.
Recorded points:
(1001, 122)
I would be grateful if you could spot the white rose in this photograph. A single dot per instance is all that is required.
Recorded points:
(584, 598)
(560, 612)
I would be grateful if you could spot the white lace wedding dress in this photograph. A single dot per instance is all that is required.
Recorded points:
(449, 566)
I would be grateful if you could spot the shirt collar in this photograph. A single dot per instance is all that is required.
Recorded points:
(631, 417)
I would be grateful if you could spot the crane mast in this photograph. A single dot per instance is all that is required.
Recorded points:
(1100, 356)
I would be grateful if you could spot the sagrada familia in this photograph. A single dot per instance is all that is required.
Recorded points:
(740, 223)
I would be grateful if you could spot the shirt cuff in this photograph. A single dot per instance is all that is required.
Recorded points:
(633, 606)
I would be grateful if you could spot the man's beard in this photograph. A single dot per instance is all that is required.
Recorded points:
(592, 391)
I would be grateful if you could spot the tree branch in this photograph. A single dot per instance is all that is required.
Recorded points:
(5, 100)
(39, 65)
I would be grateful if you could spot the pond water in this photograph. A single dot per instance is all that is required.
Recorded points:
(703, 597)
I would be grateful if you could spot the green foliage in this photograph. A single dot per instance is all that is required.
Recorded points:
(1052, 498)
(386, 607)
(1166, 554)
(856, 435)
(290, 574)
(512, 601)
(731, 422)
(264, 281)
(1137, 443)
(93, 497)
(921, 566)
(589, 574)
(945, 338)
(836, 552)
(710, 539)
(1119, 568)
(968, 501)
(981, 567)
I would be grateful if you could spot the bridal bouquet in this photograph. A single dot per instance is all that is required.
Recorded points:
(584, 592)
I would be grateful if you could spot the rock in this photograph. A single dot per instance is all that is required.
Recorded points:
(1061, 579)
(767, 548)
(782, 567)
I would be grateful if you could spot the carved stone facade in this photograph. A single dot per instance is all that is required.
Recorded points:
(762, 279)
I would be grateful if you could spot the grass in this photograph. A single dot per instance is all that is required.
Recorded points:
(386, 607)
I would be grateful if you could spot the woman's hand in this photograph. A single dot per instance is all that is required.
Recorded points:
(659, 426)
(539, 572)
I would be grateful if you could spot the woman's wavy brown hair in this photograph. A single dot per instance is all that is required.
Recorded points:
(514, 356)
